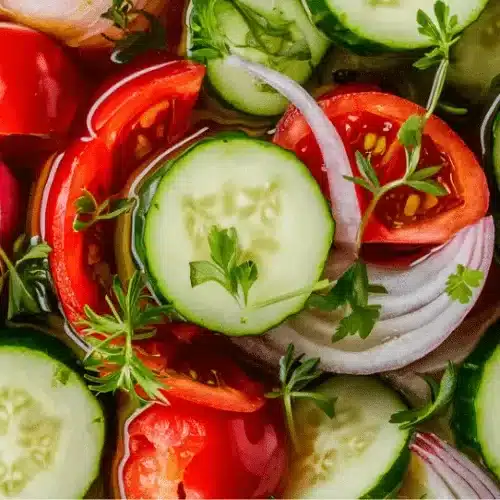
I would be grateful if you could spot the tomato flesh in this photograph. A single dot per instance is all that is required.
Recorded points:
(204, 371)
(188, 451)
(369, 122)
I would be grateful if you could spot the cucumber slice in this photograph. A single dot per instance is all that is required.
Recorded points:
(282, 220)
(51, 426)
(377, 25)
(477, 400)
(273, 28)
(468, 73)
(358, 453)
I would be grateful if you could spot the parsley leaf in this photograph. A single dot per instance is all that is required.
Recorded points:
(88, 211)
(133, 43)
(113, 356)
(119, 13)
(410, 133)
(361, 321)
(441, 397)
(225, 268)
(352, 289)
(459, 285)
(29, 283)
(296, 374)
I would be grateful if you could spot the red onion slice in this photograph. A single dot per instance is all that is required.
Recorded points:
(465, 479)
(342, 192)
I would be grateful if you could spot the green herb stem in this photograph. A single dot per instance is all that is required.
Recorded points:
(287, 401)
(437, 88)
(320, 285)
(371, 208)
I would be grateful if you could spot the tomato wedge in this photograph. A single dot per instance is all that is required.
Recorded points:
(368, 122)
(204, 370)
(40, 86)
(145, 110)
(188, 451)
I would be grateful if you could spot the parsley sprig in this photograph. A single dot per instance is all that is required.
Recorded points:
(278, 39)
(411, 132)
(441, 397)
(352, 291)
(296, 374)
(113, 356)
(133, 43)
(226, 266)
(88, 211)
(460, 285)
(235, 274)
(28, 277)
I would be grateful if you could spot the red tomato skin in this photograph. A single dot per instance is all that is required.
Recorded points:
(41, 87)
(10, 206)
(214, 454)
(472, 186)
(77, 258)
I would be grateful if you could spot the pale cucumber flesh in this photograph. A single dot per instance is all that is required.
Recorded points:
(358, 452)
(51, 428)
(282, 220)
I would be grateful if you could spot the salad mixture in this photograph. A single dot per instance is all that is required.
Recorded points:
(247, 249)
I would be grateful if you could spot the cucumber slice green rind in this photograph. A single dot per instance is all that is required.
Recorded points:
(335, 19)
(234, 85)
(475, 399)
(391, 482)
(350, 469)
(223, 322)
(23, 348)
(32, 339)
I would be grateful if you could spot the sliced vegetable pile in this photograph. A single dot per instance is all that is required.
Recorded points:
(259, 254)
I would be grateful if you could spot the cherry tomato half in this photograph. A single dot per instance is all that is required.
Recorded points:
(369, 122)
(189, 451)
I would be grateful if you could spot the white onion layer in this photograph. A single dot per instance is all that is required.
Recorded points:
(342, 192)
(417, 315)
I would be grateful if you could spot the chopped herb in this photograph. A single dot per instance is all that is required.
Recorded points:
(352, 290)
(28, 276)
(61, 376)
(452, 109)
(295, 375)
(119, 13)
(273, 36)
(88, 211)
(441, 397)
(459, 285)
(133, 43)
(225, 267)
(111, 337)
